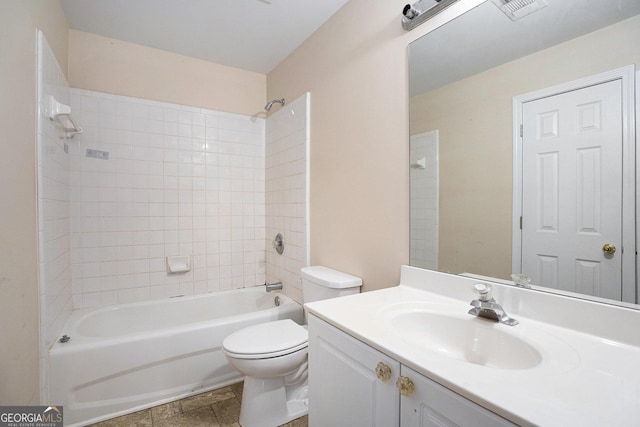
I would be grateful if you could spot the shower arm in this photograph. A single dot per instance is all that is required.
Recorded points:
(270, 103)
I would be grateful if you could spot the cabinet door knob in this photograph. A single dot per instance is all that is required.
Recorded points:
(383, 372)
(405, 385)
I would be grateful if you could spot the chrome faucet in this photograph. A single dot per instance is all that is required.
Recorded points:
(487, 307)
(273, 286)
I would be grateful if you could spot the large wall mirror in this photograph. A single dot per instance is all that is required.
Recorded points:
(514, 119)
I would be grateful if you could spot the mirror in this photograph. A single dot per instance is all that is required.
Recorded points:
(463, 78)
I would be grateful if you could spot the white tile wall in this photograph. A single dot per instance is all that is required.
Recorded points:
(54, 230)
(424, 201)
(287, 190)
(179, 180)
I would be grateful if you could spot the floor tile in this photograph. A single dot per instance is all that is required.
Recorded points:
(201, 417)
(227, 411)
(165, 411)
(299, 422)
(137, 419)
(208, 398)
(216, 408)
(237, 389)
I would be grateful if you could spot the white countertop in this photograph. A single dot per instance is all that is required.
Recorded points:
(584, 379)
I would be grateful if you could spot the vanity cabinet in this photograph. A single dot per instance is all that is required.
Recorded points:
(352, 384)
(344, 386)
(432, 405)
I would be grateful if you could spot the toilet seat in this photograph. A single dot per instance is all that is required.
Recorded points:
(266, 340)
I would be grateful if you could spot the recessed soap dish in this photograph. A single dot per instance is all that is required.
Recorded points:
(178, 264)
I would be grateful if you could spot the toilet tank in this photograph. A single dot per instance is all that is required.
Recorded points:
(320, 283)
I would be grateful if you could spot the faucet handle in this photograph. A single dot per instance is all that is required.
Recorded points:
(483, 290)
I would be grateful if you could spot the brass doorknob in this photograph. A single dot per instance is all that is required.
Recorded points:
(608, 248)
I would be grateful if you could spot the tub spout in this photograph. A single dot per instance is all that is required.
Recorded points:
(273, 286)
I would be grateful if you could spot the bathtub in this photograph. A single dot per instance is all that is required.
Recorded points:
(128, 357)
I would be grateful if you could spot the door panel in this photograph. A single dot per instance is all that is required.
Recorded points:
(572, 187)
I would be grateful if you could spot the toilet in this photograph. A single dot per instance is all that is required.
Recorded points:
(273, 355)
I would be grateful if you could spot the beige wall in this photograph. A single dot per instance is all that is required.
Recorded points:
(113, 66)
(19, 316)
(355, 67)
(474, 120)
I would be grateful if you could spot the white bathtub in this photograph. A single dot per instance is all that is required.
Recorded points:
(128, 357)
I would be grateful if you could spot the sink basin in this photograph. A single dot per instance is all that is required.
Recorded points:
(468, 339)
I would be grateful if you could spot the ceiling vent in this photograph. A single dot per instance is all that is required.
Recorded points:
(516, 9)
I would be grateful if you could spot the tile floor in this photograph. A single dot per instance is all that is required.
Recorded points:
(217, 408)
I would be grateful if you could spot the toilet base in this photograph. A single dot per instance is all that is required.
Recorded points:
(268, 402)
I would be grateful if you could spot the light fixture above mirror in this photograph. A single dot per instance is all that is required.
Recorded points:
(421, 11)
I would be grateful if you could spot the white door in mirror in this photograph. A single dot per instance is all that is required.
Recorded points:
(572, 187)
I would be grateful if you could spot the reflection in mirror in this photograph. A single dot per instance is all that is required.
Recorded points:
(470, 82)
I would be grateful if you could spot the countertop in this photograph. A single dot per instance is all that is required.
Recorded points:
(583, 379)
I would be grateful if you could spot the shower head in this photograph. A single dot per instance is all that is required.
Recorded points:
(270, 103)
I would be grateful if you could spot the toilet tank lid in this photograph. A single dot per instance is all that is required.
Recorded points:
(325, 276)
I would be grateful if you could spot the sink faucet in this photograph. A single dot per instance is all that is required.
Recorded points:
(487, 307)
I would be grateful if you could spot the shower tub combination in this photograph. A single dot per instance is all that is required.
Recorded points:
(128, 357)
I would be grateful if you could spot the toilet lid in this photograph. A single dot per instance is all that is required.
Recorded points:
(267, 339)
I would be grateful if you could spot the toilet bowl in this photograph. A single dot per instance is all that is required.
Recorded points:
(273, 358)
(273, 355)
(268, 349)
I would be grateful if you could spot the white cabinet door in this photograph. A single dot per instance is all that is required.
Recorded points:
(344, 389)
(432, 405)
